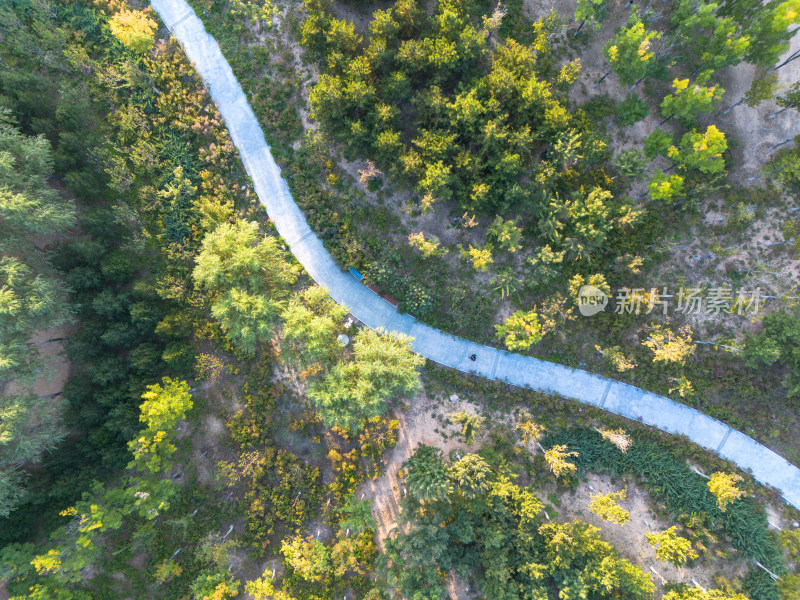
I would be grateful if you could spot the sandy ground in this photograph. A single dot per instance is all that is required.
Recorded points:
(56, 367)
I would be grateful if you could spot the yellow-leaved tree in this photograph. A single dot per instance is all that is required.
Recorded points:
(134, 28)
(723, 486)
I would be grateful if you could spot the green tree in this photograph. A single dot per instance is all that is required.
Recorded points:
(785, 167)
(312, 322)
(307, 557)
(254, 10)
(657, 144)
(667, 188)
(631, 52)
(769, 28)
(520, 331)
(383, 368)
(778, 342)
(592, 10)
(762, 89)
(716, 41)
(701, 151)
(247, 278)
(789, 99)
(631, 110)
(689, 101)
(672, 548)
(426, 475)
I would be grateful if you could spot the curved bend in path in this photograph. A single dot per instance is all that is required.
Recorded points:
(631, 402)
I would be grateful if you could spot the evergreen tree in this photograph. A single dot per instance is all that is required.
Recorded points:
(383, 367)
(427, 478)
(247, 278)
(312, 322)
(32, 299)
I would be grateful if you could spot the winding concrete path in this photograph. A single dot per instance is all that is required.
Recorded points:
(631, 402)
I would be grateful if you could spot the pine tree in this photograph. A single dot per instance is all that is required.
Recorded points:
(427, 478)
(247, 279)
(32, 299)
(383, 367)
(312, 321)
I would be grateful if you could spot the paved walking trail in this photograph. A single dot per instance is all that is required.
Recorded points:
(628, 401)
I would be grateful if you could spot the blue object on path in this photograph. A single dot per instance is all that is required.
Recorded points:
(355, 274)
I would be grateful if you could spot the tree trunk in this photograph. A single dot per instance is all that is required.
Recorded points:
(665, 120)
(633, 87)
(783, 143)
(577, 31)
(773, 115)
(601, 79)
(732, 107)
(612, 121)
(787, 61)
